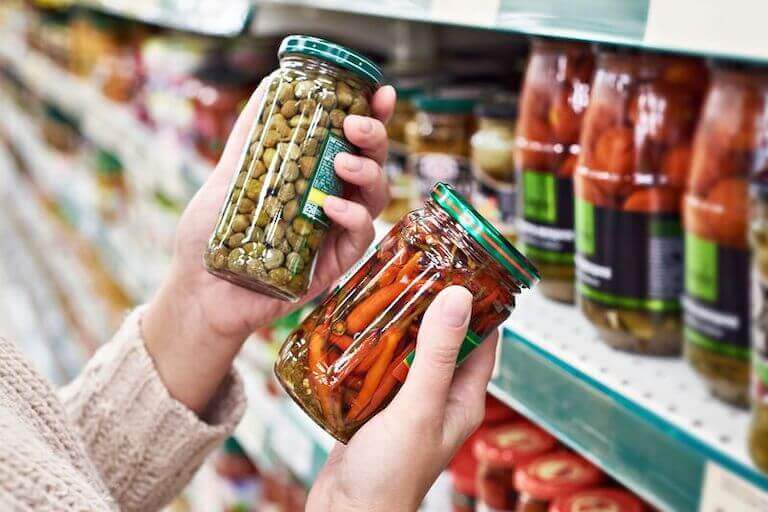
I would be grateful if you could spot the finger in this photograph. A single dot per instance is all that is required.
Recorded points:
(357, 225)
(383, 103)
(440, 335)
(466, 399)
(238, 138)
(369, 178)
(368, 134)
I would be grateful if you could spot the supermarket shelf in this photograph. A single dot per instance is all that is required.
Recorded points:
(108, 124)
(210, 17)
(647, 421)
(687, 26)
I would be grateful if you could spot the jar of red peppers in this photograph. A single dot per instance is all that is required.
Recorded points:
(272, 222)
(554, 97)
(349, 358)
(635, 149)
(499, 452)
(604, 499)
(551, 476)
(728, 148)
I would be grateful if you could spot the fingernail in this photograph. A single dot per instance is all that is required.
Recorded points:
(335, 204)
(456, 306)
(351, 163)
(364, 124)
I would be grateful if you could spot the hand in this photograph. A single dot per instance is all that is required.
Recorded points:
(392, 461)
(198, 317)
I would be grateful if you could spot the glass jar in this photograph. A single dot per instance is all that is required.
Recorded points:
(438, 143)
(551, 476)
(349, 358)
(553, 100)
(492, 149)
(728, 147)
(220, 93)
(272, 222)
(111, 187)
(629, 183)
(605, 499)
(499, 452)
(403, 188)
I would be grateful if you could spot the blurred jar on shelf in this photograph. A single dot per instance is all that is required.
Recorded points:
(553, 100)
(403, 188)
(492, 148)
(729, 146)
(241, 488)
(602, 499)
(635, 152)
(49, 32)
(111, 188)
(551, 476)
(499, 451)
(59, 130)
(437, 140)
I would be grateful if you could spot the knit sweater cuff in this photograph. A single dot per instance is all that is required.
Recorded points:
(145, 443)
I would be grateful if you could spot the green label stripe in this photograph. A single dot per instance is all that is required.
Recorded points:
(760, 369)
(719, 347)
(546, 256)
(657, 305)
(666, 227)
(470, 343)
(701, 268)
(585, 227)
(539, 196)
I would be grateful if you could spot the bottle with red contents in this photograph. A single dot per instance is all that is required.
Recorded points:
(605, 499)
(499, 451)
(551, 476)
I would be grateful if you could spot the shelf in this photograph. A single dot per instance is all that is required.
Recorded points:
(647, 421)
(209, 17)
(687, 26)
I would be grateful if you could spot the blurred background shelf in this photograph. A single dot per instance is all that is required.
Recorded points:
(649, 422)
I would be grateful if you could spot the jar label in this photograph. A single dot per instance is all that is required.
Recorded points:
(716, 303)
(471, 341)
(496, 202)
(432, 168)
(546, 223)
(760, 340)
(324, 181)
(627, 259)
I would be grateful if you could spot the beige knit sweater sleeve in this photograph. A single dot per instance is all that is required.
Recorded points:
(144, 445)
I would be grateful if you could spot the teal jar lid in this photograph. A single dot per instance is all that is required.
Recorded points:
(483, 232)
(333, 53)
(108, 163)
(444, 105)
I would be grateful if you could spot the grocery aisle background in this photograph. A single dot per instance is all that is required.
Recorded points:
(112, 113)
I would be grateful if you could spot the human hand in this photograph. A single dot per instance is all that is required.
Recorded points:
(392, 461)
(196, 316)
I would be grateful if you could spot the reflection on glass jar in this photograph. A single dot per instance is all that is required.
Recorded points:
(632, 168)
(348, 359)
(438, 143)
(553, 100)
(492, 147)
(272, 223)
(727, 149)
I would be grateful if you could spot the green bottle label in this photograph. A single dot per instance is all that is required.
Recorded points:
(546, 211)
(324, 182)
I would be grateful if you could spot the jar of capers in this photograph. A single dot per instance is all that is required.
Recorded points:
(272, 222)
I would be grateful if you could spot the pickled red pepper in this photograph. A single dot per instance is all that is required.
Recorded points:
(349, 358)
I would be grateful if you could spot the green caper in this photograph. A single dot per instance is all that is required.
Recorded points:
(246, 205)
(286, 92)
(253, 189)
(273, 206)
(277, 119)
(219, 259)
(297, 283)
(287, 192)
(323, 118)
(299, 134)
(271, 139)
(275, 233)
(328, 100)
(236, 260)
(291, 209)
(310, 147)
(290, 171)
(308, 106)
(240, 223)
(343, 95)
(273, 258)
(262, 219)
(359, 106)
(302, 226)
(285, 131)
(254, 249)
(284, 246)
(280, 276)
(235, 240)
(337, 118)
(303, 88)
(272, 180)
(297, 241)
(294, 262)
(314, 239)
(256, 233)
(270, 155)
(337, 132)
(240, 180)
(307, 165)
(255, 267)
(288, 151)
(297, 121)
(301, 186)
(289, 109)
(259, 168)
(304, 252)
(320, 132)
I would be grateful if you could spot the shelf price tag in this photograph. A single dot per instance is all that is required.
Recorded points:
(463, 12)
(723, 492)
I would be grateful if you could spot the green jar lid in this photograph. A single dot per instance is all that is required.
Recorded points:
(108, 163)
(485, 234)
(444, 105)
(333, 53)
(232, 447)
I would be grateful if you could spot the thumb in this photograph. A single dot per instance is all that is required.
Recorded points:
(440, 335)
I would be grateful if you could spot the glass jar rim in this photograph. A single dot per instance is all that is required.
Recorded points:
(334, 53)
(485, 234)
